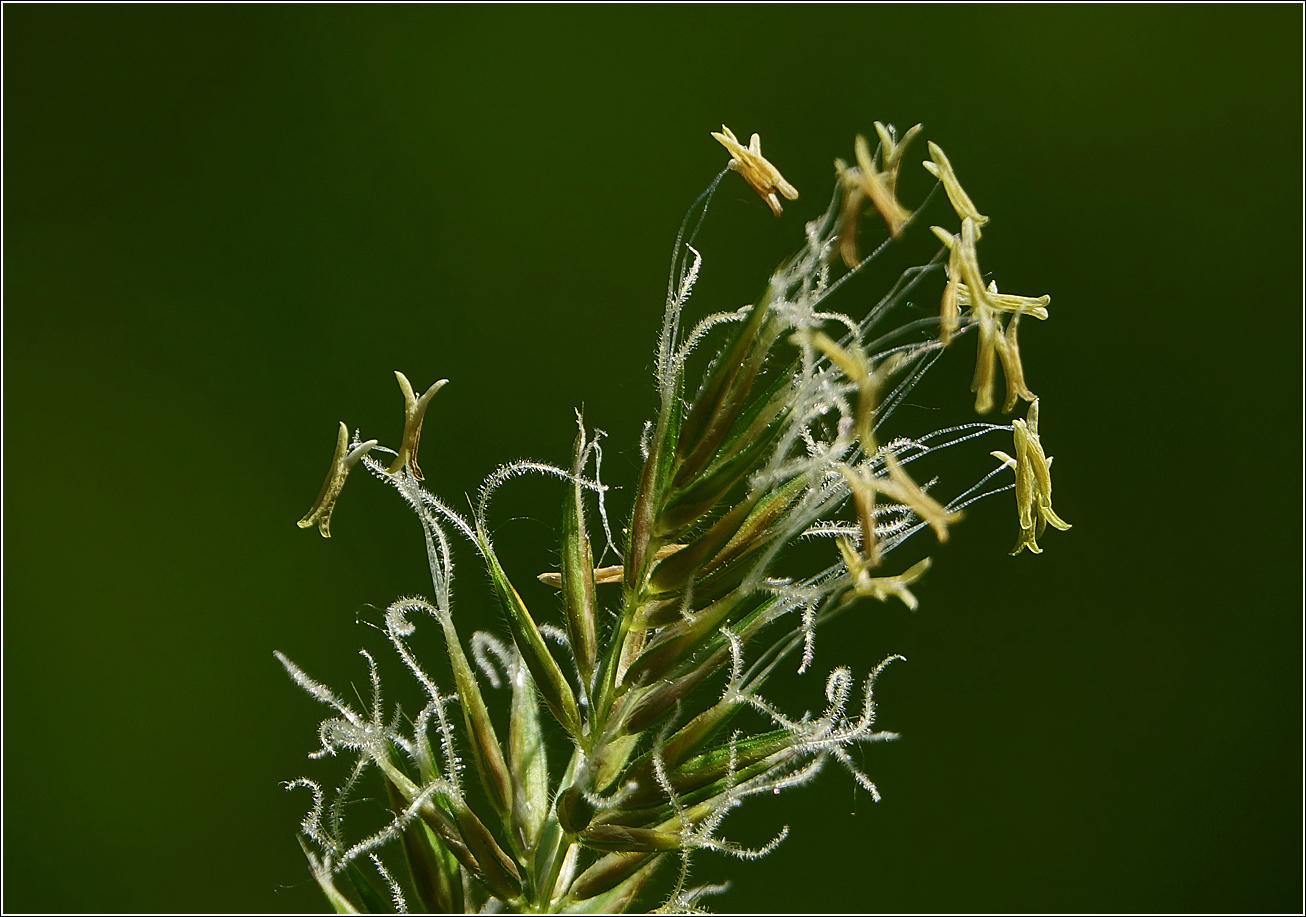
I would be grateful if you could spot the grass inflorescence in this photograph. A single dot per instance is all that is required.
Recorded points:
(657, 706)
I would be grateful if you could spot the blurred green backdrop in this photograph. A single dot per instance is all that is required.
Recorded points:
(226, 226)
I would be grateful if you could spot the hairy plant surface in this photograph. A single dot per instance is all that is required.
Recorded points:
(652, 681)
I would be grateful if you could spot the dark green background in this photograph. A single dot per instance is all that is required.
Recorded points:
(226, 226)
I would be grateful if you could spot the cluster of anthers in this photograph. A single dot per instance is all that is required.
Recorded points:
(782, 432)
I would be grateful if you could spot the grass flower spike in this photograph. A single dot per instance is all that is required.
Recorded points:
(585, 759)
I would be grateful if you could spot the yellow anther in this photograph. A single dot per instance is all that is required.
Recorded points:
(880, 587)
(994, 342)
(341, 464)
(865, 181)
(862, 486)
(985, 364)
(1009, 353)
(891, 152)
(761, 176)
(941, 169)
(613, 574)
(878, 186)
(968, 262)
(1033, 483)
(850, 213)
(945, 237)
(414, 412)
(854, 364)
(1006, 302)
(949, 306)
(984, 316)
(899, 486)
(1024, 502)
(1042, 467)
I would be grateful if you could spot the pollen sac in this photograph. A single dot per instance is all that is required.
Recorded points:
(982, 313)
(761, 176)
(902, 488)
(965, 289)
(985, 362)
(941, 169)
(879, 186)
(1042, 468)
(341, 464)
(414, 412)
(1033, 483)
(1024, 503)
(892, 150)
(881, 587)
(1005, 302)
(1012, 368)
(950, 305)
(863, 490)
(850, 212)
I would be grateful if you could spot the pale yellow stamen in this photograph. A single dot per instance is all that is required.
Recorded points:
(902, 488)
(949, 306)
(968, 261)
(1009, 353)
(880, 587)
(1033, 483)
(414, 412)
(341, 464)
(941, 169)
(984, 316)
(862, 486)
(854, 364)
(876, 185)
(850, 213)
(993, 343)
(891, 152)
(985, 365)
(1042, 467)
(1006, 302)
(761, 176)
